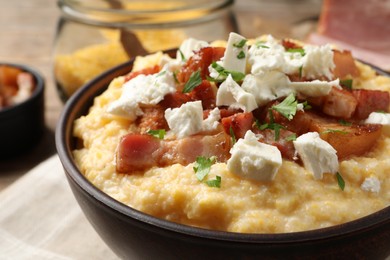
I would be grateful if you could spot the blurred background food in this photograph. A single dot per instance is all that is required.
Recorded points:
(115, 31)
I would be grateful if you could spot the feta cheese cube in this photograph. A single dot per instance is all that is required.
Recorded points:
(185, 120)
(380, 118)
(231, 94)
(315, 88)
(371, 184)
(143, 89)
(254, 160)
(235, 55)
(188, 47)
(318, 61)
(317, 155)
(266, 87)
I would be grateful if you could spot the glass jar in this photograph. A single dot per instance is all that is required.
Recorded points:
(95, 35)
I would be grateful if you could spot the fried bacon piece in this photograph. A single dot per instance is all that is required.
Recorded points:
(146, 71)
(339, 103)
(348, 139)
(140, 152)
(345, 65)
(239, 123)
(201, 60)
(370, 101)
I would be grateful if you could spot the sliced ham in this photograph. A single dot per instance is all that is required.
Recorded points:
(360, 27)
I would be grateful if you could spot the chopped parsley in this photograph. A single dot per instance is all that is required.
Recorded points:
(273, 126)
(288, 107)
(300, 71)
(327, 131)
(214, 183)
(194, 81)
(306, 105)
(202, 169)
(241, 55)
(182, 55)
(344, 123)
(234, 140)
(240, 44)
(340, 181)
(291, 137)
(160, 133)
(223, 73)
(347, 83)
(298, 50)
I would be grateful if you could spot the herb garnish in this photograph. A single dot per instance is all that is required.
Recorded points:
(202, 169)
(340, 181)
(299, 50)
(234, 140)
(240, 44)
(345, 123)
(182, 55)
(346, 83)
(215, 183)
(223, 73)
(241, 55)
(288, 107)
(327, 131)
(291, 137)
(160, 133)
(272, 125)
(300, 71)
(194, 81)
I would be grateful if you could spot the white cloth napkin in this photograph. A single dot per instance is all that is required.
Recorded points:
(40, 219)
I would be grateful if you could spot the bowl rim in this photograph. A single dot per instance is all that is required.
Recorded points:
(63, 128)
(38, 89)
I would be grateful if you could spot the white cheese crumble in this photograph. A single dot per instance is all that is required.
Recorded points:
(235, 55)
(380, 118)
(267, 86)
(371, 184)
(188, 120)
(270, 55)
(315, 88)
(231, 94)
(317, 155)
(188, 47)
(254, 160)
(143, 89)
(318, 61)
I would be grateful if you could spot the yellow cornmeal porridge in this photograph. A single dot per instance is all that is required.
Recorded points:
(293, 201)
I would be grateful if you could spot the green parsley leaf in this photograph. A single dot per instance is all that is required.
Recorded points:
(345, 123)
(327, 131)
(340, 181)
(292, 137)
(273, 126)
(202, 166)
(306, 105)
(175, 77)
(160, 133)
(241, 55)
(347, 83)
(215, 183)
(183, 58)
(234, 140)
(240, 44)
(300, 71)
(288, 107)
(223, 73)
(194, 81)
(299, 50)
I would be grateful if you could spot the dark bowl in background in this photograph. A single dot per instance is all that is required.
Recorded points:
(22, 125)
(132, 234)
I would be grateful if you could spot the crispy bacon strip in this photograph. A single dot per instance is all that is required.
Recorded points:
(370, 101)
(140, 152)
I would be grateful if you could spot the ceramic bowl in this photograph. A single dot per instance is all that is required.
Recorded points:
(22, 125)
(132, 234)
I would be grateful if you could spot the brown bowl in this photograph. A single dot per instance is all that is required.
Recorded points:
(22, 125)
(132, 234)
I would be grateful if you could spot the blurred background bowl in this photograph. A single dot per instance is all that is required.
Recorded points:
(132, 234)
(22, 124)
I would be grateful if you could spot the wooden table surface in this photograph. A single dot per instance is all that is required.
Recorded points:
(27, 36)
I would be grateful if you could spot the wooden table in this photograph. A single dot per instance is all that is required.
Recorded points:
(28, 32)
